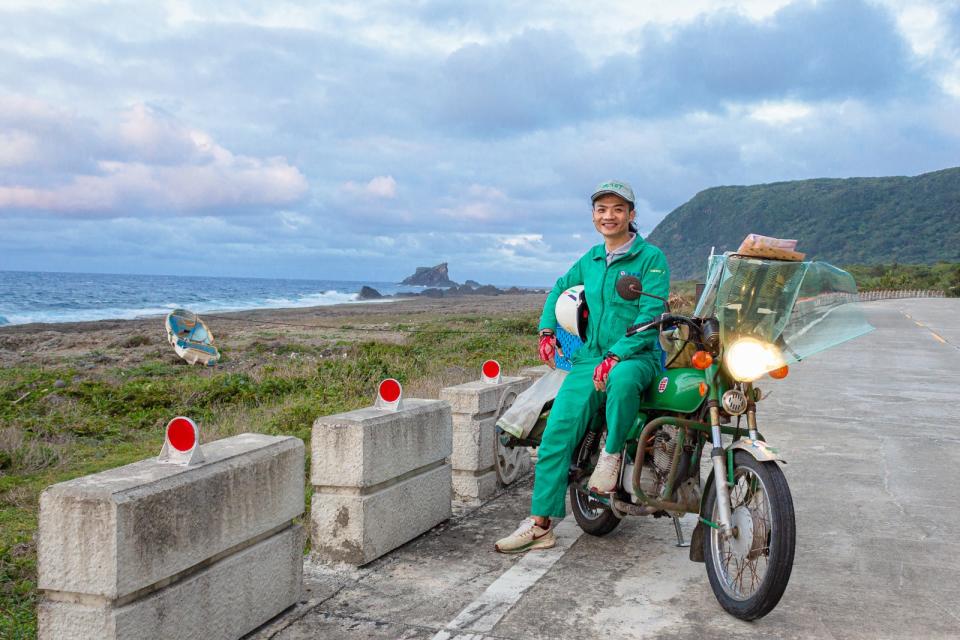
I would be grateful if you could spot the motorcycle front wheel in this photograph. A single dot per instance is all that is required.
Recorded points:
(749, 571)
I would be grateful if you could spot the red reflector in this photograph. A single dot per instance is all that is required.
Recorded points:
(390, 390)
(180, 434)
(491, 368)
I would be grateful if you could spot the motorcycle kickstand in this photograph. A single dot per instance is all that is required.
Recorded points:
(676, 525)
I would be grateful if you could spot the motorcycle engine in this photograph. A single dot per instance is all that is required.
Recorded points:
(656, 469)
(657, 465)
(663, 445)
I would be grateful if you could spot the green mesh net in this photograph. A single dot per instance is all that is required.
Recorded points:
(801, 307)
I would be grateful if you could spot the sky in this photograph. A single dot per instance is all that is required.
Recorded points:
(357, 141)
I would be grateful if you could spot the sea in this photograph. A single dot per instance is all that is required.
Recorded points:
(33, 296)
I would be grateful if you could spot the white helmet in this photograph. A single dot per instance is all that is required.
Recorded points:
(572, 312)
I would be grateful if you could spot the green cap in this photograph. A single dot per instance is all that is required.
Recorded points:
(615, 187)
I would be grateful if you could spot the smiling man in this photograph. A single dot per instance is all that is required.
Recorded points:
(609, 367)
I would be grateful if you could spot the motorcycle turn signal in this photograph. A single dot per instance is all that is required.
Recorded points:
(702, 360)
(781, 373)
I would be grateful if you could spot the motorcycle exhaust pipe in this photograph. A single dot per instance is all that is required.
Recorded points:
(621, 509)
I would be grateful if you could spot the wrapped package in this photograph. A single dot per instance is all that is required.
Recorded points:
(758, 246)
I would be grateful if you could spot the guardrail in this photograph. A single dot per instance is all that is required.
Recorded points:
(895, 294)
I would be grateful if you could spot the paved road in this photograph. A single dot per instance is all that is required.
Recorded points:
(872, 438)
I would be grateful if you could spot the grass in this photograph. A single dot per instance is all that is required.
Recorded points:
(68, 420)
(64, 421)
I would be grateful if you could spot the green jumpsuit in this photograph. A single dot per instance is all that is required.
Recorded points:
(578, 400)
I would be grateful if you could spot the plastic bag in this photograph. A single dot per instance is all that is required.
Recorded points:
(520, 418)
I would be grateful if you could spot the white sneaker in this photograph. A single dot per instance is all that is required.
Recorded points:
(606, 474)
(529, 535)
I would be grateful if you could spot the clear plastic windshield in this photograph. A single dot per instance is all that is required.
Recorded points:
(801, 307)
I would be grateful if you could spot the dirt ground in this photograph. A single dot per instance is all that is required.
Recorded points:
(109, 342)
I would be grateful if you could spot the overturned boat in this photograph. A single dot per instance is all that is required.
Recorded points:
(191, 338)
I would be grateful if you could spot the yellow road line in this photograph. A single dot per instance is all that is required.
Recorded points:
(936, 336)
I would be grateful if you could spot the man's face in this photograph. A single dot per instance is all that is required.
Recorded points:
(612, 216)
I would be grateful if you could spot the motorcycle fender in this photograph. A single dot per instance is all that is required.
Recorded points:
(696, 540)
(696, 543)
(758, 449)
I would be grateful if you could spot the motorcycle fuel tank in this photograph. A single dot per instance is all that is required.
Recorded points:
(674, 390)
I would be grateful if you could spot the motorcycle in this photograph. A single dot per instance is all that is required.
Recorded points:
(755, 317)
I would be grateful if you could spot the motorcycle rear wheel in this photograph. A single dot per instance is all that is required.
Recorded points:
(749, 573)
(592, 516)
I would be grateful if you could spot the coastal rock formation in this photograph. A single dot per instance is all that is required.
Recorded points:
(464, 290)
(368, 293)
(431, 277)
(487, 290)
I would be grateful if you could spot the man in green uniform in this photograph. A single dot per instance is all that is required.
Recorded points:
(608, 367)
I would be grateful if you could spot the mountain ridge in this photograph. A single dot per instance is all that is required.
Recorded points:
(871, 220)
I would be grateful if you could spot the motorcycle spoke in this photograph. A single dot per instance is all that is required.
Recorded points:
(754, 576)
(738, 578)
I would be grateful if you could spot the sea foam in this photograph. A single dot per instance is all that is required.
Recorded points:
(28, 297)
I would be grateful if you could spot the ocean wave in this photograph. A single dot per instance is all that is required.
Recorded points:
(320, 299)
(312, 300)
(83, 315)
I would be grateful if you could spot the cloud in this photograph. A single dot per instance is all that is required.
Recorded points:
(539, 79)
(807, 50)
(420, 131)
(780, 112)
(17, 148)
(153, 136)
(478, 204)
(149, 162)
(381, 187)
(536, 79)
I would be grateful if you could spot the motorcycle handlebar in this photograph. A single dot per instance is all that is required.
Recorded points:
(664, 319)
(638, 328)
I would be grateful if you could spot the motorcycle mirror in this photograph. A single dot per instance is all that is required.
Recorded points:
(629, 287)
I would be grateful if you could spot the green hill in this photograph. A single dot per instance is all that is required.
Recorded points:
(843, 221)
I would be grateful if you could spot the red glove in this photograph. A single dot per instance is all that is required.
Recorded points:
(602, 372)
(548, 347)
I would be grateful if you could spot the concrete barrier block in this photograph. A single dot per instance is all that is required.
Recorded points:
(114, 533)
(370, 446)
(473, 442)
(359, 527)
(535, 373)
(224, 600)
(478, 397)
(475, 408)
(474, 488)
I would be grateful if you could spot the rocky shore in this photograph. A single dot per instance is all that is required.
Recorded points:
(369, 293)
(439, 285)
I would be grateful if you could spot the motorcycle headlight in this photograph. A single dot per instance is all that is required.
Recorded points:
(748, 358)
